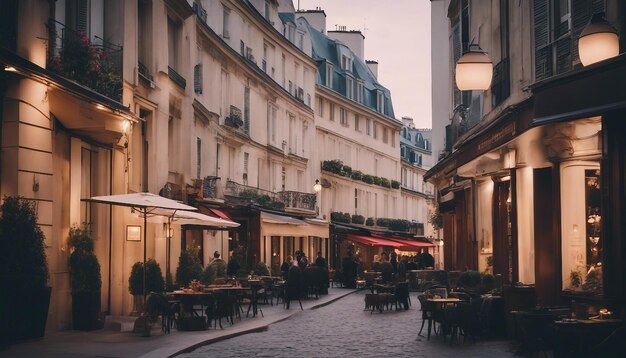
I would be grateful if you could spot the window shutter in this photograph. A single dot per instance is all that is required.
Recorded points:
(197, 78)
(246, 110)
(543, 52)
(564, 54)
(82, 9)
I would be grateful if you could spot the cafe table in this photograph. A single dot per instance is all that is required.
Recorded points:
(576, 337)
(190, 298)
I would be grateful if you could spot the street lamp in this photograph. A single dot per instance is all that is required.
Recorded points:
(318, 189)
(474, 70)
(598, 41)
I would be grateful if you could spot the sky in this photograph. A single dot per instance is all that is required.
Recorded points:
(397, 35)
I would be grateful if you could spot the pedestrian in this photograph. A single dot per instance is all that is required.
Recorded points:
(304, 261)
(284, 268)
(293, 284)
(394, 262)
(349, 267)
(427, 261)
(320, 261)
(375, 263)
(233, 266)
(386, 269)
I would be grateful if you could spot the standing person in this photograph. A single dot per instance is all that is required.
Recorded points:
(320, 261)
(427, 261)
(233, 266)
(376, 263)
(219, 265)
(394, 262)
(386, 269)
(304, 261)
(293, 284)
(349, 267)
(284, 268)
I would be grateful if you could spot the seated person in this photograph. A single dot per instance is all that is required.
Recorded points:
(219, 265)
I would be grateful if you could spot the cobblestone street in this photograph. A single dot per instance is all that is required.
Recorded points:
(343, 329)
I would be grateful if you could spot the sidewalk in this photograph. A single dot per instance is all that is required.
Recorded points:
(106, 343)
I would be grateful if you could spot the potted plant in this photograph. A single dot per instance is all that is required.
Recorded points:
(154, 282)
(575, 279)
(189, 267)
(25, 294)
(85, 280)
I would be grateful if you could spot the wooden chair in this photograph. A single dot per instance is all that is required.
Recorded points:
(428, 314)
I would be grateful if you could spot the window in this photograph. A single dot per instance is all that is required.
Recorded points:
(375, 131)
(283, 178)
(343, 117)
(329, 75)
(144, 41)
(360, 91)
(173, 38)
(242, 48)
(271, 123)
(320, 107)
(356, 123)
(283, 69)
(291, 33)
(368, 126)
(300, 42)
(198, 158)
(225, 23)
(349, 87)
(290, 87)
(385, 139)
(356, 199)
(264, 62)
(246, 110)
(267, 10)
(393, 139)
(246, 160)
(380, 101)
(332, 111)
(346, 63)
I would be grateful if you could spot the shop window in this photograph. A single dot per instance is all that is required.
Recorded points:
(581, 228)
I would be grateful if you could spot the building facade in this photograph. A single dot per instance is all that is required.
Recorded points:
(529, 174)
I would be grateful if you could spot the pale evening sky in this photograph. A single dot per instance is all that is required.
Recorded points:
(397, 35)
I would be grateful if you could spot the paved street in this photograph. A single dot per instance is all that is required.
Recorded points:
(343, 329)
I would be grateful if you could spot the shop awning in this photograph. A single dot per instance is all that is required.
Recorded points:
(282, 225)
(412, 245)
(374, 241)
(220, 214)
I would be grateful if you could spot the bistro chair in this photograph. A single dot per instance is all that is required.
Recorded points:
(158, 305)
(428, 314)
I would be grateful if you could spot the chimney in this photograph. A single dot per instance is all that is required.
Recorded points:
(373, 65)
(354, 39)
(408, 122)
(316, 18)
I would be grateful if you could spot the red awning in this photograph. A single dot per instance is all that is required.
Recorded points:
(214, 212)
(374, 241)
(412, 245)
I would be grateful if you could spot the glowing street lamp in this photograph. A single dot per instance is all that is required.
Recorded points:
(474, 70)
(598, 41)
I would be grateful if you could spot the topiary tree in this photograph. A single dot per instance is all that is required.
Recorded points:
(260, 269)
(154, 278)
(24, 291)
(85, 279)
(189, 267)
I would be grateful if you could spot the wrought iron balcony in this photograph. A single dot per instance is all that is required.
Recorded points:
(176, 77)
(93, 63)
(298, 200)
(279, 201)
(210, 186)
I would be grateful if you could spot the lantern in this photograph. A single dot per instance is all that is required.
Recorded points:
(474, 70)
(598, 41)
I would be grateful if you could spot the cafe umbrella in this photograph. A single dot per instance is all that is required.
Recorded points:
(144, 203)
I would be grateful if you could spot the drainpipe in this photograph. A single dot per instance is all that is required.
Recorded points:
(110, 230)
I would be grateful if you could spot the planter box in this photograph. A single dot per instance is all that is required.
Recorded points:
(86, 311)
(23, 313)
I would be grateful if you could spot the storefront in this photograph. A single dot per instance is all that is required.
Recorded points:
(545, 181)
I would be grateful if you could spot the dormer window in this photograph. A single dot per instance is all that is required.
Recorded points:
(329, 75)
(267, 10)
(349, 87)
(225, 23)
(360, 91)
(346, 63)
(380, 101)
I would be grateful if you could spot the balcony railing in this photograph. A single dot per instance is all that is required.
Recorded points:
(298, 200)
(144, 72)
(176, 77)
(93, 63)
(270, 199)
(210, 187)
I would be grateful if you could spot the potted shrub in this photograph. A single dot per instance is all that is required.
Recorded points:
(367, 179)
(85, 280)
(154, 281)
(346, 171)
(370, 221)
(395, 184)
(358, 219)
(260, 269)
(356, 175)
(189, 267)
(25, 294)
(208, 275)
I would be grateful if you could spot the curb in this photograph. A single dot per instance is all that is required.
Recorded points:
(255, 329)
